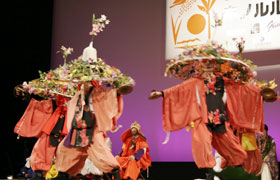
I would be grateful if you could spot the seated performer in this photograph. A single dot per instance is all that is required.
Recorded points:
(267, 146)
(135, 152)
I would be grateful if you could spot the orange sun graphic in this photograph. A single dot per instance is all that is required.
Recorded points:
(196, 24)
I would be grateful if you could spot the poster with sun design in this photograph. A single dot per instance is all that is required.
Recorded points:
(193, 22)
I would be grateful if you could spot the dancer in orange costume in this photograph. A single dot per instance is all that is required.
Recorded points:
(90, 116)
(135, 152)
(210, 103)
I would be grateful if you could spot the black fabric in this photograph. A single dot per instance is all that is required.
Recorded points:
(61, 176)
(88, 122)
(116, 174)
(38, 175)
(55, 136)
(54, 105)
(214, 101)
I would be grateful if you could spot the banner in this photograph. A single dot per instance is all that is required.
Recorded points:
(192, 22)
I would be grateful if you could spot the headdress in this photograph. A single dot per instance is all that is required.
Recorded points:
(128, 133)
(232, 65)
(135, 125)
(67, 78)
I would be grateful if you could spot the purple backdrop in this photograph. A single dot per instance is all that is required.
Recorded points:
(134, 41)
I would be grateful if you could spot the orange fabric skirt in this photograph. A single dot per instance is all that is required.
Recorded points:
(129, 168)
(42, 154)
(227, 145)
(253, 164)
(72, 160)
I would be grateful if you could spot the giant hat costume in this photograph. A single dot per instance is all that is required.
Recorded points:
(232, 65)
(67, 79)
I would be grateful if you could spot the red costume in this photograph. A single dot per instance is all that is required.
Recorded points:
(186, 103)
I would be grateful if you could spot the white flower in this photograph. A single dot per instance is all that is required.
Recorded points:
(98, 25)
(31, 90)
(103, 17)
(107, 21)
(24, 84)
(69, 50)
(63, 48)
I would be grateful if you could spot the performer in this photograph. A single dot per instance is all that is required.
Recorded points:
(91, 112)
(135, 152)
(43, 119)
(211, 102)
(90, 115)
(268, 149)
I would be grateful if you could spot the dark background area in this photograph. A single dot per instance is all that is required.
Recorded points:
(26, 47)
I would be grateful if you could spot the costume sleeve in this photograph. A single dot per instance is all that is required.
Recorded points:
(245, 106)
(180, 105)
(108, 108)
(34, 118)
(124, 149)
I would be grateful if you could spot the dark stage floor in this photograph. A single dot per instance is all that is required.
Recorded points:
(173, 170)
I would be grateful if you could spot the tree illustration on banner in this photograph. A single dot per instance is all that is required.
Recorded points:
(206, 8)
(185, 6)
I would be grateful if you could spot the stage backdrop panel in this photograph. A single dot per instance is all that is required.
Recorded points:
(196, 21)
(134, 41)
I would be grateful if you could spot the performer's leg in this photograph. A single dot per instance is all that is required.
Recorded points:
(229, 147)
(201, 146)
(253, 164)
(42, 154)
(132, 170)
(100, 154)
(123, 161)
(70, 160)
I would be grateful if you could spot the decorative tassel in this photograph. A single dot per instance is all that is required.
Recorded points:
(115, 130)
(167, 137)
(189, 127)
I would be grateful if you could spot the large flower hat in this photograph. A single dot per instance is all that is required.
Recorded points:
(67, 78)
(232, 65)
